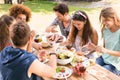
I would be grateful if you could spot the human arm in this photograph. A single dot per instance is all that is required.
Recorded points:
(94, 37)
(53, 26)
(32, 35)
(103, 50)
(37, 46)
(51, 29)
(41, 69)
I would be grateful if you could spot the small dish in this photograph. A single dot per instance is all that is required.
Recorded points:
(63, 72)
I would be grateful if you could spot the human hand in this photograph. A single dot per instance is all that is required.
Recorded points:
(29, 46)
(42, 55)
(53, 29)
(100, 49)
(80, 53)
(37, 46)
(32, 34)
(91, 46)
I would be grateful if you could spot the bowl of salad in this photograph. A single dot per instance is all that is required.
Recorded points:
(65, 57)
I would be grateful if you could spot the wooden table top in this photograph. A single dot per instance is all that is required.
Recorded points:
(94, 72)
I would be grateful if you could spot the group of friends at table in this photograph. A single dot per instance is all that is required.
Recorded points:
(17, 62)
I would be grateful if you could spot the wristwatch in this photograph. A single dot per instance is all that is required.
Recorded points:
(53, 54)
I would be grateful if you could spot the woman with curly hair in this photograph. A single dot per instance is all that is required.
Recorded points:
(20, 12)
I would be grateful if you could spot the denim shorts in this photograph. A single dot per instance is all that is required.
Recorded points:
(110, 67)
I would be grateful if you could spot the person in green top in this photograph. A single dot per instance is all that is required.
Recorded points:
(110, 58)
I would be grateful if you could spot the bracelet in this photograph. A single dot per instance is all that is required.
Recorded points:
(53, 54)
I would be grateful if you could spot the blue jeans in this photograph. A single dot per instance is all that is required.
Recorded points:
(109, 67)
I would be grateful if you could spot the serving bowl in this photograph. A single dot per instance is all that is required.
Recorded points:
(65, 57)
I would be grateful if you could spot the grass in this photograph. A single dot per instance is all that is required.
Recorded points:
(45, 7)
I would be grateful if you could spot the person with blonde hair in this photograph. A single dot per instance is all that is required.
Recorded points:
(110, 58)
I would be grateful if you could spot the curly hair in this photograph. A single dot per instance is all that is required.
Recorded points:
(17, 9)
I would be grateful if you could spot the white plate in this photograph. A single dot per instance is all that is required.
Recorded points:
(63, 75)
(78, 59)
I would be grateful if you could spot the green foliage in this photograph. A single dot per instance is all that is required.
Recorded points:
(4, 8)
(45, 7)
(41, 6)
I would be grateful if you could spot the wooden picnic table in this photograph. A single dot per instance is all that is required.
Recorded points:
(94, 72)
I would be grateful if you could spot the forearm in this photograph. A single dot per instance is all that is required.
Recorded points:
(114, 53)
(48, 29)
(53, 61)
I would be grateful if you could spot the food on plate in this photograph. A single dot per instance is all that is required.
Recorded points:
(55, 37)
(92, 61)
(60, 69)
(78, 59)
(64, 55)
(61, 48)
(62, 72)
(46, 44)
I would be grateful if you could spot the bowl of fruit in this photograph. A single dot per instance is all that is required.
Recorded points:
(65, 57)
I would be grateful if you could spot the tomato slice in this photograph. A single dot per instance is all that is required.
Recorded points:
(63, 70)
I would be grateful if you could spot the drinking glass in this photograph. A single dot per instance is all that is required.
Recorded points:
(82, 70)
(37, 38)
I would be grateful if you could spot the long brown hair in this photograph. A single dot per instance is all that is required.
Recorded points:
(4, 34)
(7, 19)
(109, 12)
(87, 30)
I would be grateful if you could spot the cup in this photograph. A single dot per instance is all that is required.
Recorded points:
(79, 69)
